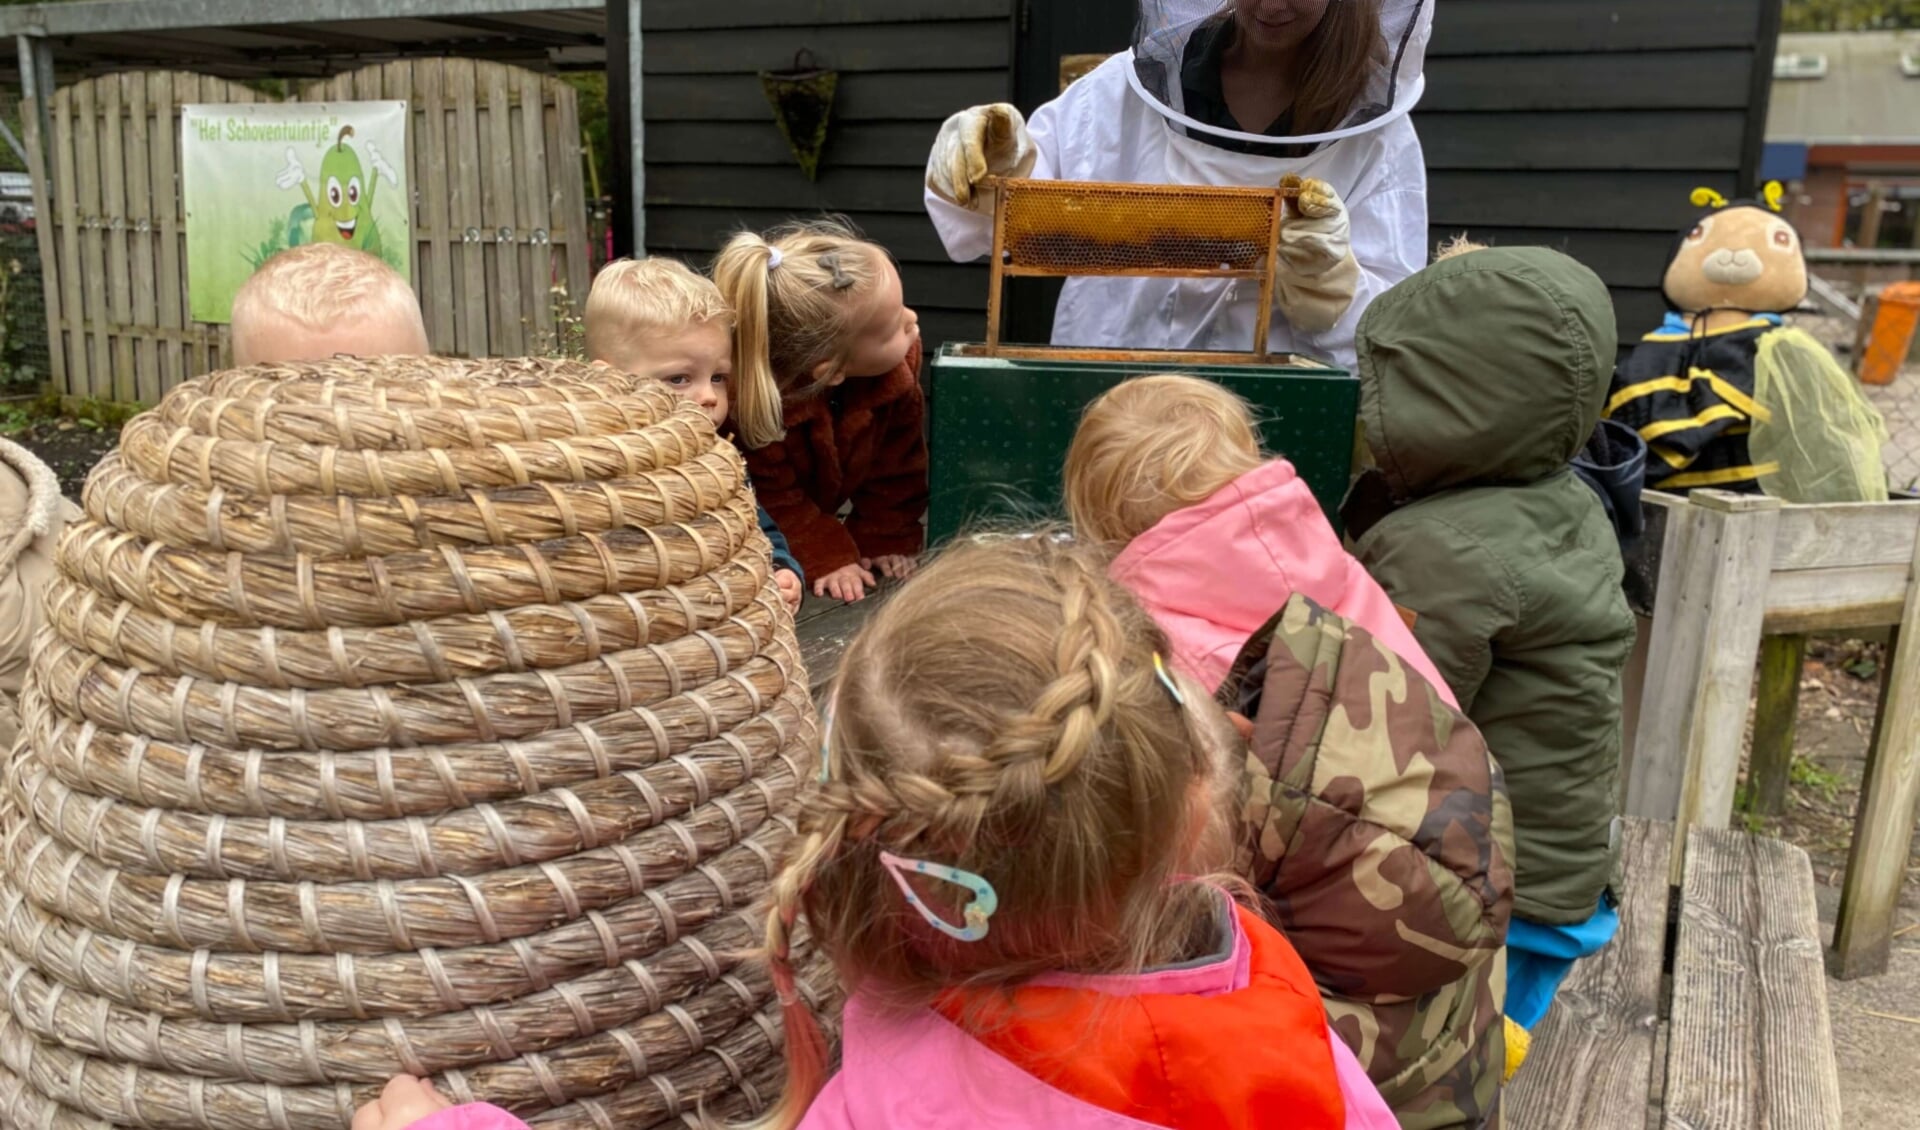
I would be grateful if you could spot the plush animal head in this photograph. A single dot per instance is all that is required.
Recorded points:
(1740, 256)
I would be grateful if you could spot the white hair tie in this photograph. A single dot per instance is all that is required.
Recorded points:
(774, 258)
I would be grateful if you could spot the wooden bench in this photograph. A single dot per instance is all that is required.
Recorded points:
(1733, 569)
(1707, 1012)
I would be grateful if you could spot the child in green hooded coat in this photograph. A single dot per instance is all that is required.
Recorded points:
(1482, 377)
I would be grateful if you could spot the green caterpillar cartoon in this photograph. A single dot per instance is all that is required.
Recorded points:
(343, 212)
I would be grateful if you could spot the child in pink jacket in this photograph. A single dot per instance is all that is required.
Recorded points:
(995, 857)
(1216, 536)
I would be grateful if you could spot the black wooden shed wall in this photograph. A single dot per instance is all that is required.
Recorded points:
(1578, 124)
(715, 161)
(1585, 125)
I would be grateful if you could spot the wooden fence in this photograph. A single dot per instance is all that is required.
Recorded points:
(499, 216)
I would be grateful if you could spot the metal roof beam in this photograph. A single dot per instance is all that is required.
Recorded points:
(105, 17)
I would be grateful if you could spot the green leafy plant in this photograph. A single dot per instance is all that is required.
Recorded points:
(1813, 775)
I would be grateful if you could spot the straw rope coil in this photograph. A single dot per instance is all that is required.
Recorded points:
(402, 715)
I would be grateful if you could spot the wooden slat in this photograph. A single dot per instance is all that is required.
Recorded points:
(704, 230)
(1750, 1044)
(1889, 794)
(498, 210)
(1707, 623)
(541, 147)
(1863, 596)
(1490, 27)
(367, 85)
(1655, 81)
(93, 246)
(1841, 535)
(186, 91)
(824, 629)
(45, 235)
(1625, 259)
(891, 145)
(432, 168)
(1677, 139)
(139, 163)
(673, 15)
(397, 80)
(566, 210)
(894, 96)
(1627, 201)
(113, 203)
(847, 48)
(1592, 1060)
(895, 190)
(463, 144)
(164, 141)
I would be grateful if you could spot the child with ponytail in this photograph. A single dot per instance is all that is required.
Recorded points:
(998, 858)
(828, 405)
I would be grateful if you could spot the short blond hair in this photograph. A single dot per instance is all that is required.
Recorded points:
(319, 287)
(634, 298)
(1153, 445)
(1458, 245)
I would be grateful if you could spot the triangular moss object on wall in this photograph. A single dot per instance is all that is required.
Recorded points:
(802, 101)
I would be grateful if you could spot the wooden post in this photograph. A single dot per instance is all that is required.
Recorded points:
(1774, 717)
(1263, 322)
(1883, 832)
(627, 126)
(1714, 567)
(1871, 214)
(997, 269)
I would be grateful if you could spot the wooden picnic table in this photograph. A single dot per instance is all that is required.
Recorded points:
(824, 628)
(1708, 1011)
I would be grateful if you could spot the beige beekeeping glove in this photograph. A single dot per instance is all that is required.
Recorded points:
(974, 144)
(1317, 274)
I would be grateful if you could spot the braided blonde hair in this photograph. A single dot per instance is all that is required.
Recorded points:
(791, 318)
(1001, 715)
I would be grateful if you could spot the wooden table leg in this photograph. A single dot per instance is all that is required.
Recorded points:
(1774, 719)
(1889, 794)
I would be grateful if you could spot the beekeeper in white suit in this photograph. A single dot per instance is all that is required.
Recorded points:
(1226, 92)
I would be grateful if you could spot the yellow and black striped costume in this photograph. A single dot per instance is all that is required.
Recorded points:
(1690, 396)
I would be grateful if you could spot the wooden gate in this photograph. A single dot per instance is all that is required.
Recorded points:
(499, 217)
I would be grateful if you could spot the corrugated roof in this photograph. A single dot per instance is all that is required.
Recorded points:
(241, 39)
(1864, 98)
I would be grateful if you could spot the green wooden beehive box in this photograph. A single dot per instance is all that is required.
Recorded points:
(1000, 427)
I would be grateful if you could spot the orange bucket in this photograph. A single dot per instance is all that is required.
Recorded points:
(1891, 337)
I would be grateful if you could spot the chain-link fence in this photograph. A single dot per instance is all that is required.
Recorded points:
(23, 311)
(1899, 401)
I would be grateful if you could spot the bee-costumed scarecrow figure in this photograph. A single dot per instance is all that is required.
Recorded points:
(1724, 393)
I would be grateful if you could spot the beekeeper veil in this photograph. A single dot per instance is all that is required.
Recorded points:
(1178, 44)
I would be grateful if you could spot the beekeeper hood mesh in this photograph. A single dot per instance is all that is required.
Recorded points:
(1167, 30)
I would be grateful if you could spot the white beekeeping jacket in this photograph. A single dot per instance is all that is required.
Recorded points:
(1125, 121)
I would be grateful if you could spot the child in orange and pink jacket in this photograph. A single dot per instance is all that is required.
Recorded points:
(994, 857)
(1212, 535)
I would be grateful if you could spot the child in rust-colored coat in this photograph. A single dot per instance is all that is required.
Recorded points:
(828, 404)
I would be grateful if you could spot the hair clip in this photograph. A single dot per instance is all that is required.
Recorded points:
(774, 259)
(1774, 194)
(1166, 680)
(977, 911)
(1707, 198)
(831, 262)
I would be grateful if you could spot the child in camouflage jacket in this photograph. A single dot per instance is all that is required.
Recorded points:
(1377, 825)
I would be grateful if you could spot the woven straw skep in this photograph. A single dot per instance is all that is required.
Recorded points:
(402, 715)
